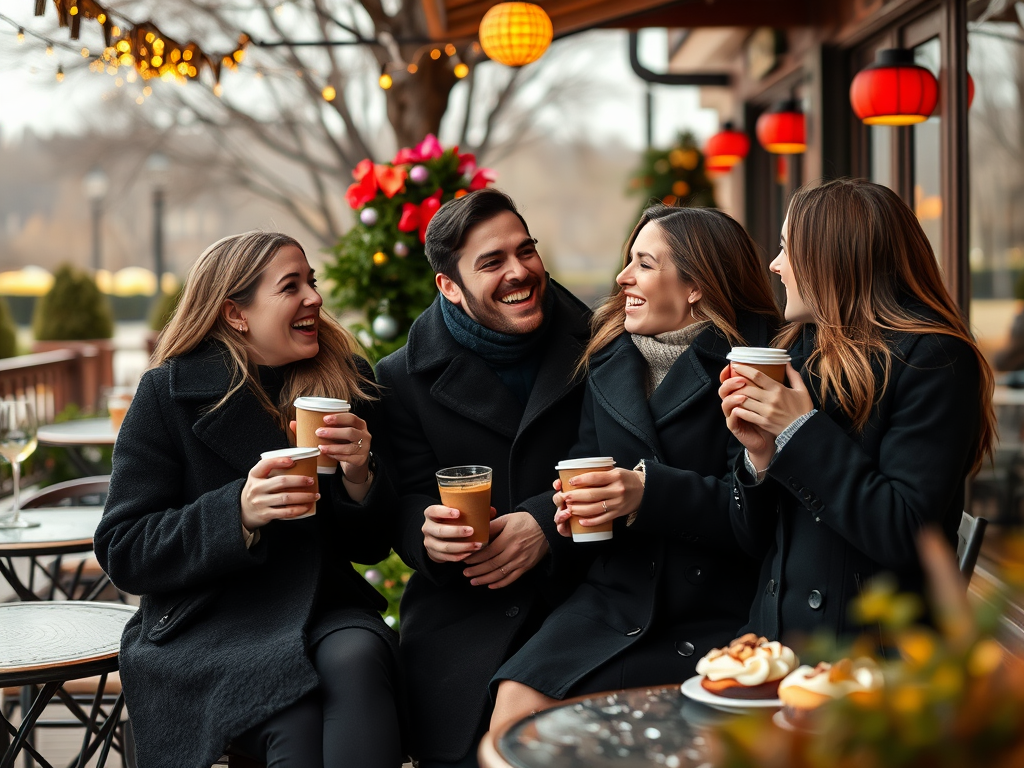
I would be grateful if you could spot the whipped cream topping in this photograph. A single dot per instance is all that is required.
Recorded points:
(749, 663)
(837, 680)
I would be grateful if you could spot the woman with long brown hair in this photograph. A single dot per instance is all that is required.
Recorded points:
(254, 634)
(888, 409)
(672, 583)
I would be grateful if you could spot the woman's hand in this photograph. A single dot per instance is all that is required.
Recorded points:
(266, 498)
(759, 444)
(346, 440)
(598, 497)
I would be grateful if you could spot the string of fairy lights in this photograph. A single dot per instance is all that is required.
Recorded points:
(146, 52)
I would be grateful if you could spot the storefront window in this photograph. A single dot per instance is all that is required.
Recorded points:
(996, 64)
(927, 200)
(881, 155)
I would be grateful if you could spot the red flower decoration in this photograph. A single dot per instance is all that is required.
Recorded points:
(482, 178)
(418, 216)
(428, 149)
(390, 179)
(362, 192)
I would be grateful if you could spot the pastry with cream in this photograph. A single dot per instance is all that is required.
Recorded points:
(807, 688)
(750, 667)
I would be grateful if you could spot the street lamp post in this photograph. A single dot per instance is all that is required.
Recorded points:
(96, 185)
(156, 166)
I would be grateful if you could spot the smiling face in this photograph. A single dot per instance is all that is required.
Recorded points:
(796, 311)
(657, 299)
(282, 322)
(502, 276)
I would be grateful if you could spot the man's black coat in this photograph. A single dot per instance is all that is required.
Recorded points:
(443, 407)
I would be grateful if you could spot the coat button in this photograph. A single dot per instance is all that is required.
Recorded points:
(794, 484)
(770, 589)
(696, 575)
(815, 600)
(806, 494)
(634, 631)
(684, 648)
(512, 612)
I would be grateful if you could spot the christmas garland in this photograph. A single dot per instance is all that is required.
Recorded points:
(380, 267)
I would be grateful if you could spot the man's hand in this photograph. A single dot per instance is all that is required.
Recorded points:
(517, 545)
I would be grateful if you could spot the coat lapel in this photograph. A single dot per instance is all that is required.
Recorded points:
(618, 384)
(240, 429)
(471, 389)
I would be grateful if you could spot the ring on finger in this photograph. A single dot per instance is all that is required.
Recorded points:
(359, 443)
(502, 569)
(604, 506)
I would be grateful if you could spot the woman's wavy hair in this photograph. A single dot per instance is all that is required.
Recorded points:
(232, 269)
(858, 254)
(710, 249)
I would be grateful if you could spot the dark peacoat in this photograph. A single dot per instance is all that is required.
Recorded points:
(443, 407)
(221, 638)
(675, 583)
(840, 506)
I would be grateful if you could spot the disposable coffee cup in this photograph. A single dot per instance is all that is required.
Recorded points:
(468, 489)
(305, 464)
(309, 417)
(119, 399)
(769, 360)
(569, 469)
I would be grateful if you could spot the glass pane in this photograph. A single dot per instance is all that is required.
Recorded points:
(881, 154)
(996, 64)
(927, 159)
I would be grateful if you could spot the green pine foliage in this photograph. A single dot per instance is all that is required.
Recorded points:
(674, 176)
(73, 310)
(8, 331)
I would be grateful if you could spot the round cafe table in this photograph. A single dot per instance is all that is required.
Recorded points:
(622, 729)
(48, 643)
(61, 531)
(78, 433)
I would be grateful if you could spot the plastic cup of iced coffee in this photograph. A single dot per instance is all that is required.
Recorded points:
(468, 489)
(570, 468)
(309, 417)
(119, 399)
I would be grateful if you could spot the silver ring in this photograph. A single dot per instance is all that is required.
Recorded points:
(604, 505)
(359, 443)
(502, 569)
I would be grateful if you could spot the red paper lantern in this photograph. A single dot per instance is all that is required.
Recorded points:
(725, 148)
(782, 130)
(894, 90)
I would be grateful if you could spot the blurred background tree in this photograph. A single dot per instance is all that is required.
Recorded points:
(674, 176)
(73, 310)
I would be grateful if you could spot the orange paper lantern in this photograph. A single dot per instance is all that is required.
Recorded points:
(782, 130)
(515, 34)
(894, 90)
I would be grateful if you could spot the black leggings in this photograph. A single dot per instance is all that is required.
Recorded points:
(350, 720)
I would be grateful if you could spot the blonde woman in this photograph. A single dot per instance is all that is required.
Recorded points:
(254, 634)
(887, 411)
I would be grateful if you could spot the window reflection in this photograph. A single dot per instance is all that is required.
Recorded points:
(927, 199)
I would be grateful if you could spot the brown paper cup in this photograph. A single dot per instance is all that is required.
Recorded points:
(571, 468)
(769, 360)
(305, 464)
(309, 417)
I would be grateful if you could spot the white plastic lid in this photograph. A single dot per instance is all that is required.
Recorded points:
(292, 453)
(323, 404)
(763, 355)
(593, 462)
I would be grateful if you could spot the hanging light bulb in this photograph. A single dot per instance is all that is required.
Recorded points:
(21, 35)
(461, 70)
(49, 49)
(60, 73)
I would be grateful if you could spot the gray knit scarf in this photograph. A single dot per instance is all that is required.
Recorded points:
(663, 350)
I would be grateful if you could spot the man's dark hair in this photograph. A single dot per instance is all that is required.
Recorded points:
(450, 226)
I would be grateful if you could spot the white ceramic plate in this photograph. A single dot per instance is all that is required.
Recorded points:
(692, 689)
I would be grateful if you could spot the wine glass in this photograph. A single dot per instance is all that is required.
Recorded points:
(17, 443)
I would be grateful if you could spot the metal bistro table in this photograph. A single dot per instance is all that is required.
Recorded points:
(635, 728)
(61, 531)
(77, 434)
(49, 643)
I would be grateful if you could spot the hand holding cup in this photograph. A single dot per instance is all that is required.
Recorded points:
(270, 493)
(446, 538)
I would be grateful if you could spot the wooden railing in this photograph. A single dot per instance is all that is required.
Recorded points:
(56, 379)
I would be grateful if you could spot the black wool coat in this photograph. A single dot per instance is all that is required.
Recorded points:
(675, 583)
(221, 640)
(444, 407)
(840, 506)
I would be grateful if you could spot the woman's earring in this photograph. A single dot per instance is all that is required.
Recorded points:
(692, 316)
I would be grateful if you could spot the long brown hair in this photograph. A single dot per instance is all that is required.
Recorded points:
(708, 248)
(232, 269)
(858, 253)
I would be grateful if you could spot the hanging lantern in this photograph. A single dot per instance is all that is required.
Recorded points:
(713, 167)
(515, 34)
(725, 148)
(894, 90)
(782, 130)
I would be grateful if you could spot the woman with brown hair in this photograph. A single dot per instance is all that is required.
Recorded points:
(888, 410)
(672, 582)
(254, 631)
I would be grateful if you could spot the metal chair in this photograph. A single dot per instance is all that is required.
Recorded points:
(969, 537)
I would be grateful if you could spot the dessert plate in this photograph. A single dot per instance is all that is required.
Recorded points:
(692, 689)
